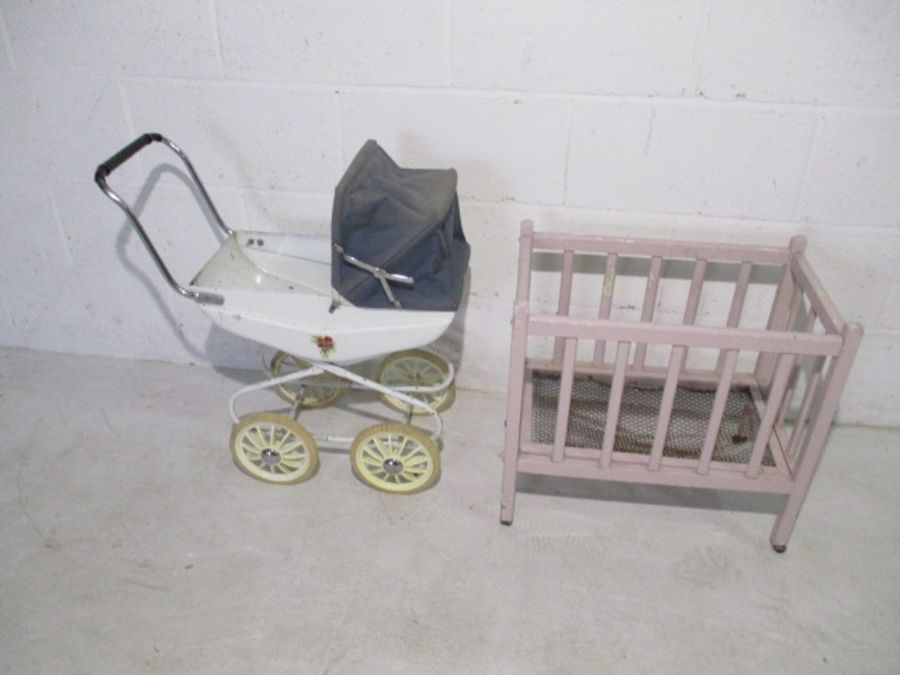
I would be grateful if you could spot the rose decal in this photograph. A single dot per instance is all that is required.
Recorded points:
(325, 343)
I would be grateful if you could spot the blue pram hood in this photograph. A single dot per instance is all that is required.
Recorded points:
(402, 222)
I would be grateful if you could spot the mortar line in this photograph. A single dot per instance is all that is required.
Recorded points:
(448, 43)
(695, 217)
(807, 169)
(215, 27)
(571, 114)
(495, 93)
(7, 41)
(697, 75)
(339, 127)
(126, 110)
(245, 209)
(60, 225)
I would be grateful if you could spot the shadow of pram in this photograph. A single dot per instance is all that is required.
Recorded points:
(220, 347)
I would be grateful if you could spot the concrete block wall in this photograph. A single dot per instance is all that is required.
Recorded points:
(736, 120)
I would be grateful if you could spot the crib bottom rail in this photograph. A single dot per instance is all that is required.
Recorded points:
(680, 464)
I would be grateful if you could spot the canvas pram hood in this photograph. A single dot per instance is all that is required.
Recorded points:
(396, 235)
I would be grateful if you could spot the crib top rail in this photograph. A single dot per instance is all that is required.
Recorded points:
(790, 257)
(683, 250)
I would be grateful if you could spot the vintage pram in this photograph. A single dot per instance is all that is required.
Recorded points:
(387, 282)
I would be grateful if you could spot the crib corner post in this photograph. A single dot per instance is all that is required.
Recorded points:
(811, 453)
(526, 229)
(516, 387)
(779, 317)
(797, 244)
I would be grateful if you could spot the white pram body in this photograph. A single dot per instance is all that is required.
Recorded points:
(279, 290)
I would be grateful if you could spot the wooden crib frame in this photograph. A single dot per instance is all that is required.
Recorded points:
(806, 342)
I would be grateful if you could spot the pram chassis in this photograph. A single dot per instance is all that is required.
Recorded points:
(404, 394)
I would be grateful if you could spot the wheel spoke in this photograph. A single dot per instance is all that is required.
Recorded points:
(258, 431)
(285, 436)
(407, 441)
(296, 448)
(385, 451)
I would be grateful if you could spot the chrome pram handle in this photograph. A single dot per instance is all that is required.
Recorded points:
(126, 153)
(382, 275)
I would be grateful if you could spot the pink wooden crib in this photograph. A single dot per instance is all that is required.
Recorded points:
(703, 401)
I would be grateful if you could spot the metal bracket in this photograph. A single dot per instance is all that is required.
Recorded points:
(381, 274)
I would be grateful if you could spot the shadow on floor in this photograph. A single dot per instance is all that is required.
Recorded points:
(580, 488)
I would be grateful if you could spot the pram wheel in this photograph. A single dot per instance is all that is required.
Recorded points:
(416, 368)
(396, 458)
(318, 391)
(274, 448)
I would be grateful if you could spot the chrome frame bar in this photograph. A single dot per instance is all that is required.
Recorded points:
(381, 274)
(103, 172)
(343, 374)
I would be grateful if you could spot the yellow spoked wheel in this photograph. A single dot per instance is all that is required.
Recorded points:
(274, 448)
(415, 368)
(318, 391)
(396, 458)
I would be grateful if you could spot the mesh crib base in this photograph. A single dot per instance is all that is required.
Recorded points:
(638, 418)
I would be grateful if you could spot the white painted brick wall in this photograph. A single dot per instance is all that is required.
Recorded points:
(352, 42)
(269, 137)
(516, 151)
(677, 158)
(114, 37)
(842, 52)
(738, 121)
(641, 48)
(51, 127)
(853, 171)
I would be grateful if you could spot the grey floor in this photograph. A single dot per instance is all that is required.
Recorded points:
(130, 543)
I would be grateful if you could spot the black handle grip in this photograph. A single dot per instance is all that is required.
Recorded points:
(125, 154)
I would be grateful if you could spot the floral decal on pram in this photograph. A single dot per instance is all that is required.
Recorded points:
(325, 343)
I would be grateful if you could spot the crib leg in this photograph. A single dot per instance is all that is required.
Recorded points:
(784, 523)
(809, 455)
(508, 492)
(513, 415)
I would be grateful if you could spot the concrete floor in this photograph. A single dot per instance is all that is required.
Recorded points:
(130, 543)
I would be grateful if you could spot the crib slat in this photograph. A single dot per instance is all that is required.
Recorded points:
(802, 417)
(615, 403)
(778, 321)
(693, 301)
(740, 294)
(729, 359)
(640, 351)
(676, 361)
(809, 397)
(565, 398)
(609, 283)
(565, 296)
(796, 304)
(767, 422)
(737, 304)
